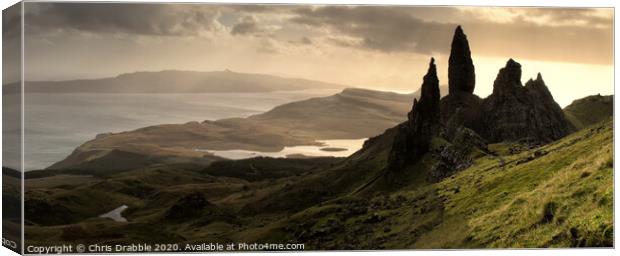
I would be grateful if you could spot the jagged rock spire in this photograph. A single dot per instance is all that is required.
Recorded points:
(414, 136)
(461, 71)
(428, 105)
(508, 78)
(430, 86)
(539, 89)
(538, 82)
(522, 113)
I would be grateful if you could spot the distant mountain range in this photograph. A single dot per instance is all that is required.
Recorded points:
(174, 81)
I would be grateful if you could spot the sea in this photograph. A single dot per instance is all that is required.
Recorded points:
(57, 123)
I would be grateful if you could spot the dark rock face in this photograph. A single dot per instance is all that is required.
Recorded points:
(521, 113)
(461, 107)
(508, 80)
(461, 73)
(551, 122)
(414, 136)
(514, 112)
(456, 156)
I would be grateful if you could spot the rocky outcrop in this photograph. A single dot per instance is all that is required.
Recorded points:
(456, 156)
(551, 122)
(461, 72)
(414, 136)
(461, 107)
(513, 112)
(521, 113)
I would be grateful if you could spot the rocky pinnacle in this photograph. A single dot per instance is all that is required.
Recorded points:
(414, 136)
(461, 72)
(522, 113)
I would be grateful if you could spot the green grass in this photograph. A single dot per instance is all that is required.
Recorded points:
(559, 199)
(506, 207)
(557, 195)
(589, 110)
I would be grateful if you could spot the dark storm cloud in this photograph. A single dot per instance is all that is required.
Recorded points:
(11, 44)
(11, 22)
(387, 29)
(575, 35)
(566, 15)
(246, 26)
(569, 36)
(252, 8)
(138, 19)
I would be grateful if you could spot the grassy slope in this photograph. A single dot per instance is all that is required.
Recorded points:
(560, 196)
(563, 198)
(555, 199)
(589, 110)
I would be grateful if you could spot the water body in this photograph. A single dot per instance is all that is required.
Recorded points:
(116, 214)
(337, 148)
(55, 124)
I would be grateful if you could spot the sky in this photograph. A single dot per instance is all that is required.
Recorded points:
(376, 47)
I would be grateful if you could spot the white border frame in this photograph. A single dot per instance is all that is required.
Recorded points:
(476, 252)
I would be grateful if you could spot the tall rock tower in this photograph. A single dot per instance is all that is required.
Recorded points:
(460, 107)
(461, 71)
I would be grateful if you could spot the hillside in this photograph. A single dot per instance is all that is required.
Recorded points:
(589, 110)
(366, 112)
(175, 81)
(558, 195)
(535, 198)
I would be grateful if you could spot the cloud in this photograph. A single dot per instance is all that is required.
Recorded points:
(305, 40)
(250, 25)
(268, 46)
(561, 34)
(247, 25)
(119, 18)
(386, 29)
(565, 16)
(534, 33)
(547, 17)
(11, 22)
(11, 44)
